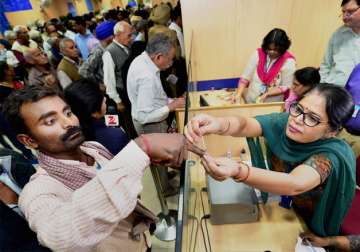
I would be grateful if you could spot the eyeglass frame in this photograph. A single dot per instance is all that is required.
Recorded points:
(303, 114)
(349, 13)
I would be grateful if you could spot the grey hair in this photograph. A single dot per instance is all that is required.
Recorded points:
(10, 34)
(18, 28)
(120, 27)
(62, 44)
(159, 43)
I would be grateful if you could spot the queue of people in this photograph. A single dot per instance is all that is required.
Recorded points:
(59, 80)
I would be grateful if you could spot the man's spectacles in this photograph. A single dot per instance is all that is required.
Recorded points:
(309, 119)
(349, 13)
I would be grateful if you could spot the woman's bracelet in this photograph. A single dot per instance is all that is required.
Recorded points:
(238, 178)
(146, 144)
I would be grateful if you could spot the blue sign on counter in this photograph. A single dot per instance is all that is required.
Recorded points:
(15, 5)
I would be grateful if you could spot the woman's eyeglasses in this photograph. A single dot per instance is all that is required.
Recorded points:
(309, 119)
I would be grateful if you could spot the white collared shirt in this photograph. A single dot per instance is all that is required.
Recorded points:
(148, 98)
(109, 73)
(22, 48)
(180, 37)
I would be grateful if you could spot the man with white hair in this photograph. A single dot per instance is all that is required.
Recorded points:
(114, 58)
(23, 41)
(68, 68)
(35, 36)
(41, 72)
(10, 36)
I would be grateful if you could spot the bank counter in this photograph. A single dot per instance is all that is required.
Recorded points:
(276, 229)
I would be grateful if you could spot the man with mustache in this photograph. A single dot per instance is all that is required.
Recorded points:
(82, 198)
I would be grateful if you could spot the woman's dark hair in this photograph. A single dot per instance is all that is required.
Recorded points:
(307, 76)
(279, 38)
(85, 98)
(339, 104)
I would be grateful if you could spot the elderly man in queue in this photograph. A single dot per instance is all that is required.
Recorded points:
(23, 41)
(82, 198)
(114, 59)
(68, 68)
(41, 72)
(150, 104)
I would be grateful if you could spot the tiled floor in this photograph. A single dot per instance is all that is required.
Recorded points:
(150, 199)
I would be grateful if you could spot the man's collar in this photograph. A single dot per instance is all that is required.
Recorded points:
(70, 60)
(44, 69)
(121, 45)
(151, 63)
(90, 152)
(346, 29)
(87, 33)
(174, 24)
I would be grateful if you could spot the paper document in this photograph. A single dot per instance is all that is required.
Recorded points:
(300, 247)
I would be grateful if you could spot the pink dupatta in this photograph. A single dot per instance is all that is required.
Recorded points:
(268, 77)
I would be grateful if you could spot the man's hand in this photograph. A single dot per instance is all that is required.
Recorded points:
(165, 149)
(177, 103)
(195, 149)
(50, 80)
(120, 107)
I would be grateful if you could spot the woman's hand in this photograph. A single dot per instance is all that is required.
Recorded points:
(235, 97)
(220, 168)
(316, 240)
(202, 125)
(261, 98)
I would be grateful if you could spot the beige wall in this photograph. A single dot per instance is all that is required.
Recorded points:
(23, 17)
(109, 4)
(58, 8)
(227, 32)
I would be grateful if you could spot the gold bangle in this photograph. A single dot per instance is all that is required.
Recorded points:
(238, 178)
